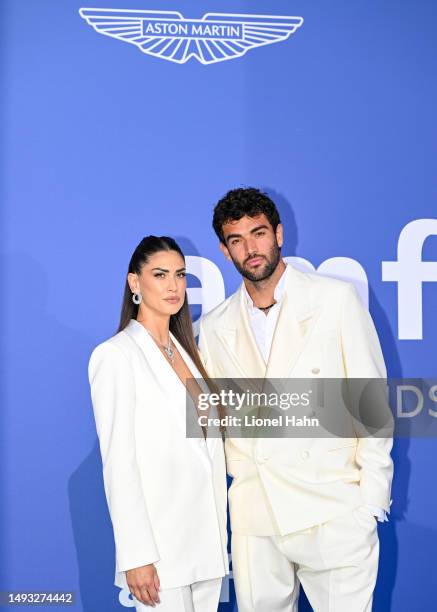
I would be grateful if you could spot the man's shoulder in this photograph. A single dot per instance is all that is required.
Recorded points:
(322, 287)
(217, 314)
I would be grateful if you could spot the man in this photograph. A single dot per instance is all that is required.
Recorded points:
(303, 511)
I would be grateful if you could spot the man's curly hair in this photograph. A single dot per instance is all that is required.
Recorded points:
(243, 201)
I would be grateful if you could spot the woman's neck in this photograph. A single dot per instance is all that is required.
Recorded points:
(158, 325)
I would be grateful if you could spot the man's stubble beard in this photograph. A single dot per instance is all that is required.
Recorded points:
(272, 261)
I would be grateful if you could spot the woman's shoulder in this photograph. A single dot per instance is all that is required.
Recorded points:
(117, 347)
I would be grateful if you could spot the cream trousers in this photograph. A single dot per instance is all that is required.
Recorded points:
(197, 597)
(335, 562)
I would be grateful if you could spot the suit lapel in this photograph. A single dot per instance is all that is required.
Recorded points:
(293, 329)
(169, 381)
(295, 324)
(212, 433)
(237, 337)
(165, 376)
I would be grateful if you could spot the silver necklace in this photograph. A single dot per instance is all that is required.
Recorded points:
(168, 349)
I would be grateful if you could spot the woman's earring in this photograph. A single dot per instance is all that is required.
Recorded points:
(137, 298)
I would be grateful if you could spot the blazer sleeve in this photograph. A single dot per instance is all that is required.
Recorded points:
(113, 397)
(363, 358)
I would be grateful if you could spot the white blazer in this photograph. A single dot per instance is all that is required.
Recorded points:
(166, 493)
(323, 331)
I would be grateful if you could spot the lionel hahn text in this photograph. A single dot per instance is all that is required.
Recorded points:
(252, 421)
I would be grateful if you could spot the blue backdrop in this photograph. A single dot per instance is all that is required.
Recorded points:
(103, 144)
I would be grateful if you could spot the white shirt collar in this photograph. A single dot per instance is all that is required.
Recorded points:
(278, 292)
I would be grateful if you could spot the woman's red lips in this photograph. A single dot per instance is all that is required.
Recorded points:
(172, 300)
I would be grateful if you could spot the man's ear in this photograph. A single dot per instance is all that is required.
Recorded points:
(225, 251)
(132, 279)
(280, 235)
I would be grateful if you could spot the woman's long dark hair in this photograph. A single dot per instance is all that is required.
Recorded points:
(180, 323)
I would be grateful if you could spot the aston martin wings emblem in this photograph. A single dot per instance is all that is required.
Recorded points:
(216, 37)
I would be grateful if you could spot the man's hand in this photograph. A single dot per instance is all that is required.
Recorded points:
(143, 583)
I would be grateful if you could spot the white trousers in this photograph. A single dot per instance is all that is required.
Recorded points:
(335, 562)
(200, 596)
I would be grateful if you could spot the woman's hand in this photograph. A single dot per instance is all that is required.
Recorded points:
(143, 583)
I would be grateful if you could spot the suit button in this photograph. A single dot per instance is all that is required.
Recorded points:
(305, 454)
(315, 370)
(261, 460)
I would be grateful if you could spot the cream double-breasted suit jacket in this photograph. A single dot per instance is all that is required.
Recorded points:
(166, 493)
(284, 485)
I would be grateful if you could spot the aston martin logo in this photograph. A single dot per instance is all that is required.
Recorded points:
(216, 37)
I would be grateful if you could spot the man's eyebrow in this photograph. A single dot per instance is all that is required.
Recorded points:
(255, 229)
(258, 227)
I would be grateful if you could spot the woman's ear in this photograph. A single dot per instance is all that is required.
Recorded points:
(132, 279)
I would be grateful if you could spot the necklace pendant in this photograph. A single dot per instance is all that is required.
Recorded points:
(168, 349)
(169, 352)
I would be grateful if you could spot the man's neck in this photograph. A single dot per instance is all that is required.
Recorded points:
(262, 292)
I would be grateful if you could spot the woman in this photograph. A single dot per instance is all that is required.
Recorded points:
(166, 493)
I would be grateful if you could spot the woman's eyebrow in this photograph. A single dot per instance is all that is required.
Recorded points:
(164, 270)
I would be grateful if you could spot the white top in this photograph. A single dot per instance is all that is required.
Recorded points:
(263, 325)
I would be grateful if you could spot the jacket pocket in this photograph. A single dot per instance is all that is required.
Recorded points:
(346, 443)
